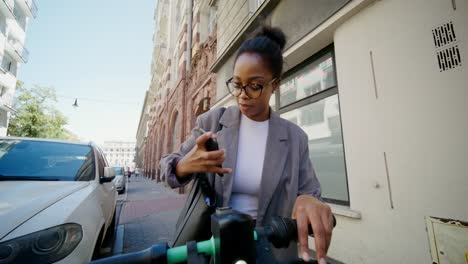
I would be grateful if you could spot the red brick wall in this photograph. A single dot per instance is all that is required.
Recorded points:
(183, 100)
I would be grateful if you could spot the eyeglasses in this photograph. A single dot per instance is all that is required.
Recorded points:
(251, 90)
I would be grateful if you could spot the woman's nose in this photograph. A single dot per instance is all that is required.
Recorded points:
(243, 94)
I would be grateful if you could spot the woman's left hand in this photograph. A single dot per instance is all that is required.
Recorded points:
(309, 210)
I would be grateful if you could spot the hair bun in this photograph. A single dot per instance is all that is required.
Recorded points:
(272, 33)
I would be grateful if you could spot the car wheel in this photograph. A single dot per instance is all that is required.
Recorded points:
(111, 228)
(105, 249)
(97, 246)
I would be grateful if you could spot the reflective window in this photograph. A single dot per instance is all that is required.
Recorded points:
(308, 97)
(311, 79)
(321, 121)
(48, 161)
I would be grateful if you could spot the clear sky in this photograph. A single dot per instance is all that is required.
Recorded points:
(98, 51)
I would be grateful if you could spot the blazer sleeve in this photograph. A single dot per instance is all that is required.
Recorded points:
(308, 182)
(169, 161)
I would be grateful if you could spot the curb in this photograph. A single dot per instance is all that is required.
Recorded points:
(119, 240)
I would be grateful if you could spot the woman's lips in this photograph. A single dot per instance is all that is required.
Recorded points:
(245, 106)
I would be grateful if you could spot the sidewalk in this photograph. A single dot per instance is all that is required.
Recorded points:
(149, 214)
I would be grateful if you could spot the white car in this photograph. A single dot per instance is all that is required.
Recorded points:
(57, 201)
(120, 180)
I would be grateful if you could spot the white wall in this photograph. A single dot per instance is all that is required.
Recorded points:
(419, 120)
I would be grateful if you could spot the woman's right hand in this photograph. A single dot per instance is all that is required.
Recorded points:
(200, 160)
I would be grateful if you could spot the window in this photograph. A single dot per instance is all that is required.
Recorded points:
(46, 160)
(315, 77)
(211, 20)
(8, 64)
(308, 97)
(3, 91)
(254, 5)
(175, 133)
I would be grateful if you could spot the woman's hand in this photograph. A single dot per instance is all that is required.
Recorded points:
(309, 210)
(200, 160)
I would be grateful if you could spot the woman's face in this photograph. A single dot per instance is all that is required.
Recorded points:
(251, 70)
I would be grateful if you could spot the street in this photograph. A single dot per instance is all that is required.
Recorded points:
(147, 213)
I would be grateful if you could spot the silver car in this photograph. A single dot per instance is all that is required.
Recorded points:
(120, 180)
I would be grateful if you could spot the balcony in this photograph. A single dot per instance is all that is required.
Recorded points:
(17, 50)
(32, 7)
(18, 11)
(6, 102)
(6, 7)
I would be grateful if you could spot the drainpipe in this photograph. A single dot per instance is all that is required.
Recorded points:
(188, 63)
(189, 34)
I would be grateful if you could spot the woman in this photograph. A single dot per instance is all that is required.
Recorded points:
(266, 165)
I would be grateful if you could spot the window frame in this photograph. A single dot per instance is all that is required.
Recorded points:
(313, 99)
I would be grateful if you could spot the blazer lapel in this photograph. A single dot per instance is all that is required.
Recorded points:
(273, 166)
(228, 138)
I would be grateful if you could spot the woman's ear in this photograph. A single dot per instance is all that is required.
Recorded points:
(275, 85)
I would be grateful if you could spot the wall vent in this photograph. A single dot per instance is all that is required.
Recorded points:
(446, 45)
(449, 58)
(444, 35)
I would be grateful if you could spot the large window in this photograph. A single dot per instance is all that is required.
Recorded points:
(308, 97)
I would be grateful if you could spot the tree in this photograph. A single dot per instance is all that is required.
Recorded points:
(36, 115)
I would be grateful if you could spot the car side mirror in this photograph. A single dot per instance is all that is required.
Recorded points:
(109, 175)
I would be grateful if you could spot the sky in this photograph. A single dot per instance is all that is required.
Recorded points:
(98, 52)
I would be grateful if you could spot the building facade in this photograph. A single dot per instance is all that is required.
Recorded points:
(182, 84)
(120, 153)
(14, 19)
(380, 89)
(142, 133)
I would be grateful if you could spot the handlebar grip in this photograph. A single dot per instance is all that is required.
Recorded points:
(146, 256)
(283, 230)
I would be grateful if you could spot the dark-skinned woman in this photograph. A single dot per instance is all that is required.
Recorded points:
(265, 159)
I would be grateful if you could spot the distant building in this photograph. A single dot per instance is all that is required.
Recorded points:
(14, 18)
(120, 153)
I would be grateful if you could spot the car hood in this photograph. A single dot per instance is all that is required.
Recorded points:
(21, 200)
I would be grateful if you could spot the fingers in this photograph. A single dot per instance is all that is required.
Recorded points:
(302, 233)
(219, 170)
(202, 139)
(319, 235)
(213, 155)
(327, 220)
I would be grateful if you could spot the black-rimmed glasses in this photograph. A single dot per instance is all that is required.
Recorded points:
(251, 90)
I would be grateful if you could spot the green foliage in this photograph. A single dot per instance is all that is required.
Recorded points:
(36, 115)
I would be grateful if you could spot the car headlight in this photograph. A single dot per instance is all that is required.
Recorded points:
(45, 246)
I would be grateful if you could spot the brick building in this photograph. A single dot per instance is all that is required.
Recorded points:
(182, 84)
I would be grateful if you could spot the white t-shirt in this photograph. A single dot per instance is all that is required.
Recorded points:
(249, 165)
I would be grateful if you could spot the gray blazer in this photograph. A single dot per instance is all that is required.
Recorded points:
(287, 169)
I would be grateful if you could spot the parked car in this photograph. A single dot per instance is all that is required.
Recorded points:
(120, 180)
(57, 201)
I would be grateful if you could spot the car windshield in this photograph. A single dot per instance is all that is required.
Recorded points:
(47, 161)
(118, 171)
